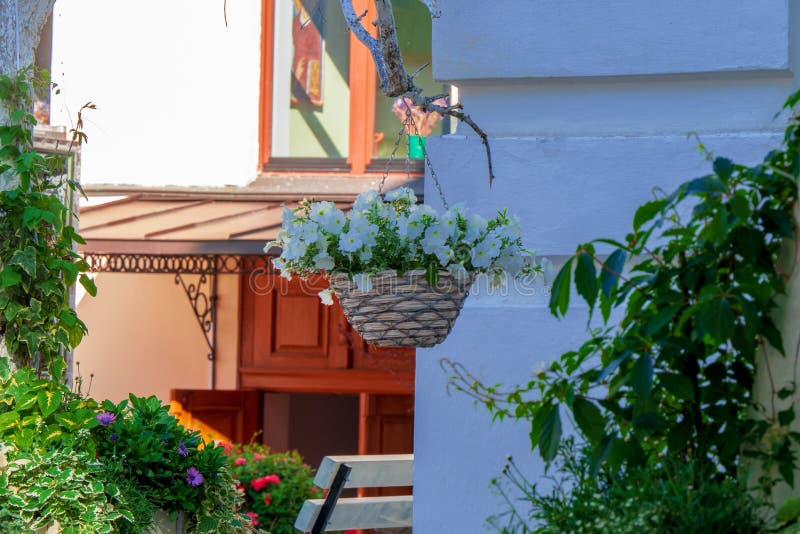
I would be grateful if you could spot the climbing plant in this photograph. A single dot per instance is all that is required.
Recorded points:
(38, 262)
(692, 290)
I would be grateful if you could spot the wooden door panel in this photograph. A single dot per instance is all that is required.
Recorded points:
(387, 427)
(232, 416)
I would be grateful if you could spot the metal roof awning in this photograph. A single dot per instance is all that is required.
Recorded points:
(153, 224)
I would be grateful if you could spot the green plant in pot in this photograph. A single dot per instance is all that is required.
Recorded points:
(171, 466)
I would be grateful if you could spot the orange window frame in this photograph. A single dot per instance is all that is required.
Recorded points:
(362, 79)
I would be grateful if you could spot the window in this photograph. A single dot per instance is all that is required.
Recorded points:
(321, 109)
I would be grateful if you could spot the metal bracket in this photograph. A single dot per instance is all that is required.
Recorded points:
(203, 299)
(330, 501)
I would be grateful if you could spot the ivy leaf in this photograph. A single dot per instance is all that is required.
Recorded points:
(589, 419)
(26, 259)
(612, 268)
(586, 278)
(10, 277)
(88, 284)
(559, 296)
(642, 376)
(678, 385)
(647, 211)
(550, 436)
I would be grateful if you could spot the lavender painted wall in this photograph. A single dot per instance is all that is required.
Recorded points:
(589, 108)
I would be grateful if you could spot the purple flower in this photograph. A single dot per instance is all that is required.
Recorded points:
(194, 477)
(114, 437)
(182, 449)
(106, 418)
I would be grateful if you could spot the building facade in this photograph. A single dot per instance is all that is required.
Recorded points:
(588, 106)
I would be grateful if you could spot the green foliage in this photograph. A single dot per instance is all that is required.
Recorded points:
(274, 485)
(670, 497)
(48, 466)
(159, 456)
(70, 486)
(37, 260)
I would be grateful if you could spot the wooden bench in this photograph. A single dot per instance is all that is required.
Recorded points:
(367, 471)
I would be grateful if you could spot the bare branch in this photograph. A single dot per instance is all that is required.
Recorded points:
(398, 81)
(455, 111)
(394, 79)
(433, 7)
(372, 44)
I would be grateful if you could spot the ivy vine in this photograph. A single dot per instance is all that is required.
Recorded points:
(38, 261)
(694, 288)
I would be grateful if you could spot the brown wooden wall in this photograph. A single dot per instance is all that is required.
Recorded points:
(290, 341)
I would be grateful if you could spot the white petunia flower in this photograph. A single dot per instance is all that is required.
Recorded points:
(450, 222)
(363, 281)
(476, 226)
(350, 242)
(435, 236)
(333, 222)
(323, 261)
(365, 200)
(287, 217)
(404, 193)
(480, 256)
(326, 296)
(321, 210)
(444, 254)
(511, 261)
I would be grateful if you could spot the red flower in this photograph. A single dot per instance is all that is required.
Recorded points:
(258, 456)
(227, 446)
(260, 483)
(240, 461)
(253, 517)
(267, 499)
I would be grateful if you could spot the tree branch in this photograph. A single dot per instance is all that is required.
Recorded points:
(394, 80)
(372, 44)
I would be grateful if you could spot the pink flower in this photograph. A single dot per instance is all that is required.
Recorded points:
(240, 461)
(258, 457)
(253, 517)
(267, 499)
(260, 483)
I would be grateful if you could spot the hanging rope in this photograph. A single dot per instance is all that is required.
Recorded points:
(405, 130)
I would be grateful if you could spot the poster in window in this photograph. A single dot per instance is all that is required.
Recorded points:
(308, 49)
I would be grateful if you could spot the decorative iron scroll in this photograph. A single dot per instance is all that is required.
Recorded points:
(176, 264)
(204, 305)
(202, 295)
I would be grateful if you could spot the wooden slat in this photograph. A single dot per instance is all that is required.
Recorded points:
(359, 512)
(369, 471)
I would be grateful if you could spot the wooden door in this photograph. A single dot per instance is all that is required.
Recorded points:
(387, 427)
(230, 416)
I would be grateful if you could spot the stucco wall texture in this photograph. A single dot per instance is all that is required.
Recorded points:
(588, 107)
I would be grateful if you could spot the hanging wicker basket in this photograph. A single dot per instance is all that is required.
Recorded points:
(402, 311)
